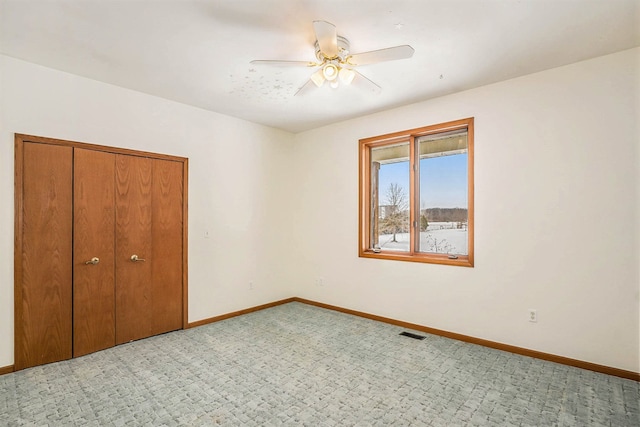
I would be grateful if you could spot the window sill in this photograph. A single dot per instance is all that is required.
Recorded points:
(461, 261)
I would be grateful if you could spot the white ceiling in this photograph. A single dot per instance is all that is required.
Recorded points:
(198, 51)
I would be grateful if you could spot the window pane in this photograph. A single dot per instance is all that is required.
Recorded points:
(444, 193)
(390, 198)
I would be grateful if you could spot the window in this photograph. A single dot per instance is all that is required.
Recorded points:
(416, 195)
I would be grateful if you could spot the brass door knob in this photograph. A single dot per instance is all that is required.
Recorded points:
(93, 261)
(135, 258)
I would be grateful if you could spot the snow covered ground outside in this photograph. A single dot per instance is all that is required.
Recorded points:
(444, 235)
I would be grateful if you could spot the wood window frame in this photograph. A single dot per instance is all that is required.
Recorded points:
(365, 197)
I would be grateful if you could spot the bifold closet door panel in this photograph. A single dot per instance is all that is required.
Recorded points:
(44, 278)
(133, 247)
(94, 275)
(166, 259)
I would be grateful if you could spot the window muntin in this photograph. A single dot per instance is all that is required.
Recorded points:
(416, 195)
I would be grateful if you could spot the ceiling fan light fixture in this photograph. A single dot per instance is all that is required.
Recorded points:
(346, 75)
(330, 71)
(318, 78)
(335, 63)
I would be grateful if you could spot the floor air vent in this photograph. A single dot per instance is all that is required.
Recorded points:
(410, 335)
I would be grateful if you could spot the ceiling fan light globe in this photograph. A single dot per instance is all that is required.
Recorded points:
(334, 84)
(346, 76)
(330, 72)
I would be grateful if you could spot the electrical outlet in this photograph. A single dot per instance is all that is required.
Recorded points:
(250, 286)
(206, 234)
(319, 281)
(533, 315)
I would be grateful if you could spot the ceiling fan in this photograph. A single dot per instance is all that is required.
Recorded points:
(336, 63)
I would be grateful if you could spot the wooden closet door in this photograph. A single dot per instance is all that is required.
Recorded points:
(166, 258)
(44, 255)
(94, 228)
(133, 237)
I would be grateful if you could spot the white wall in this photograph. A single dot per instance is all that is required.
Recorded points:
(237, 176)
(557, 222)
(557, 204)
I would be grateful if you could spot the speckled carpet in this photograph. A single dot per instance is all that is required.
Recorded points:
(297, 364)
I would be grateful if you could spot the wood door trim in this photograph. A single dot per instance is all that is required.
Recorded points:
(96, 147)
(19, 141)
(185, 247)
(18, 329)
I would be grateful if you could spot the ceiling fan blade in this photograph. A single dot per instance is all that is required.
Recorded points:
(279, 63)
(388, 54)
(366, 82)
(327, 37)
(316, 78)
(305, 88)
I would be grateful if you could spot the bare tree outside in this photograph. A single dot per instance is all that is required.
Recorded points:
(396, 213)
(438, 246)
